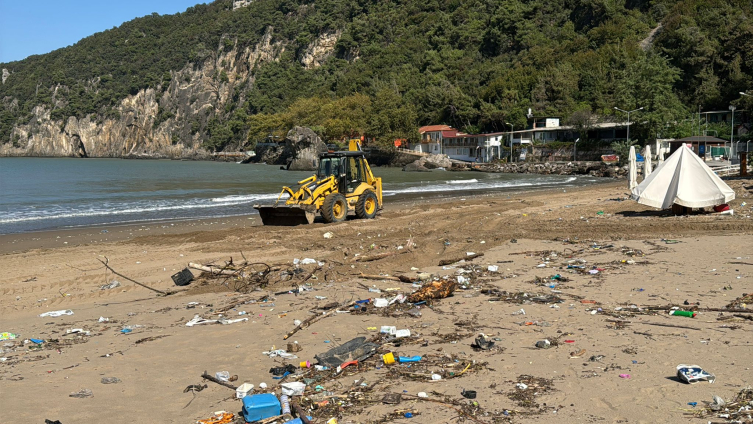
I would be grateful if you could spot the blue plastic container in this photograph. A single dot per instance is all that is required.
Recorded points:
(261, 406)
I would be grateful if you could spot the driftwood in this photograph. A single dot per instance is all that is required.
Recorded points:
(378, 256)
(299, 411)
(312, 319)
(212, 269)
(401, 278)
(220, 382)
(130, 279)
(451, 261)
(659, 324)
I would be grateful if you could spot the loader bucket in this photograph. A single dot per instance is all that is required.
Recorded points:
(285, 215)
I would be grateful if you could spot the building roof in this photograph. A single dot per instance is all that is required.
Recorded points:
(699, 139)
(451, 133)
(430, 128)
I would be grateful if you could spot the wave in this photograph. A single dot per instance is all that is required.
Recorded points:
(473, 184)
(33, 214)
(461, 181)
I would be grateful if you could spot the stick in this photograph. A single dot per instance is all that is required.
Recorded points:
(311, 274)
(377, 256)
(299, 411)
(129, 279)
(212, 269)
(670, 325)
(444, 262)
(311, 320)
(220, 382)
(379, 277)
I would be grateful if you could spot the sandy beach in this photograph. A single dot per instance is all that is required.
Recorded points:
(609, 361)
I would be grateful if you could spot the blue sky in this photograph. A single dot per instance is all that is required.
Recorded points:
(29, 27)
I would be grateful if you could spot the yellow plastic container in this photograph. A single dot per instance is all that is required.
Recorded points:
(305, 364)
(388, 358)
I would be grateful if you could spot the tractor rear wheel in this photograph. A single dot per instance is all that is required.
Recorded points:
(335, 208)
(366, 207)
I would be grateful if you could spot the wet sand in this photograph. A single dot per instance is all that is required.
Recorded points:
(517, 232)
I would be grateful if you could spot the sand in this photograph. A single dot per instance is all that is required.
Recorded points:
(710, 263)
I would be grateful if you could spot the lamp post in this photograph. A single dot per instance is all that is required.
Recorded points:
(628, 114)
(732, 131)
(512, 129)
(575, 150)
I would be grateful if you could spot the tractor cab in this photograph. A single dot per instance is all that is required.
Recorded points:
(348, 168)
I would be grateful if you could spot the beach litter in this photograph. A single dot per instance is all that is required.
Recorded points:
(111, 285)
(57, 313)
(693, 374)
(110, 380)
(83, 393)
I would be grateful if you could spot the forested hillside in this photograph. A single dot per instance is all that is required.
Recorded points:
(217, 78)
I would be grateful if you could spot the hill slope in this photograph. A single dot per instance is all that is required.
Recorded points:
(217, 78)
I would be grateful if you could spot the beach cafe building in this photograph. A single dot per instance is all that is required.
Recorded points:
(706, 147)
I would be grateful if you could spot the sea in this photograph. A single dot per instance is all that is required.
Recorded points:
(38, 194)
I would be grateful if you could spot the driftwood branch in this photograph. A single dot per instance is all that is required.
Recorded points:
(451, 261)
(130, 279)
(299, 411)
(379, 277)
(220, 382)
(212, 269)
(378, 256)
(312, 319)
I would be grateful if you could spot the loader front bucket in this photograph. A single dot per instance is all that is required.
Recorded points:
(285, 214)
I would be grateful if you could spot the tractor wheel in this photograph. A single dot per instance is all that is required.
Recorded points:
(366, 207)
(335, 208)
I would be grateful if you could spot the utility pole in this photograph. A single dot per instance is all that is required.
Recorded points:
(512, 129)
(732, 132)
(628, 123)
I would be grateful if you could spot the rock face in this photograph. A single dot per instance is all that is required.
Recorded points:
(427, 163)
(168, 121)
(6, 74)
(237, 4)
(318, 51)
(302, 147)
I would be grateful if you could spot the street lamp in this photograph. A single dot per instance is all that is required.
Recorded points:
(512, 129)
(732, 129)
(628, 114)
(575, 150)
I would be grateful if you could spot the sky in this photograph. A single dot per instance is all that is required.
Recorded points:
(29, 27)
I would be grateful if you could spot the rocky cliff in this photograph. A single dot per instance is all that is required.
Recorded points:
(172, 120)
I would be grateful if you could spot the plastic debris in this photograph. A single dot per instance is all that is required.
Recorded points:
(693, 373)
(110, 380)
(57, 313)
(83, 393)
(8, 336)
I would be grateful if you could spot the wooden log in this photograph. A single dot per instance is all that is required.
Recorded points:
(220, 382)
(451, 261)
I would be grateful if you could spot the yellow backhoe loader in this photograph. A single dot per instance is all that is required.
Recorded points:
(343, 183)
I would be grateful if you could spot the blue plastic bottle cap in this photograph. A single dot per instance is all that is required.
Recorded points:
(408, 415)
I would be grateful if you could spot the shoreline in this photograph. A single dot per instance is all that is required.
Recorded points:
(104, 233)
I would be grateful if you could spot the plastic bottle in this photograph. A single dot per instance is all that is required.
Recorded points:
(285, 401)
(689, 314)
